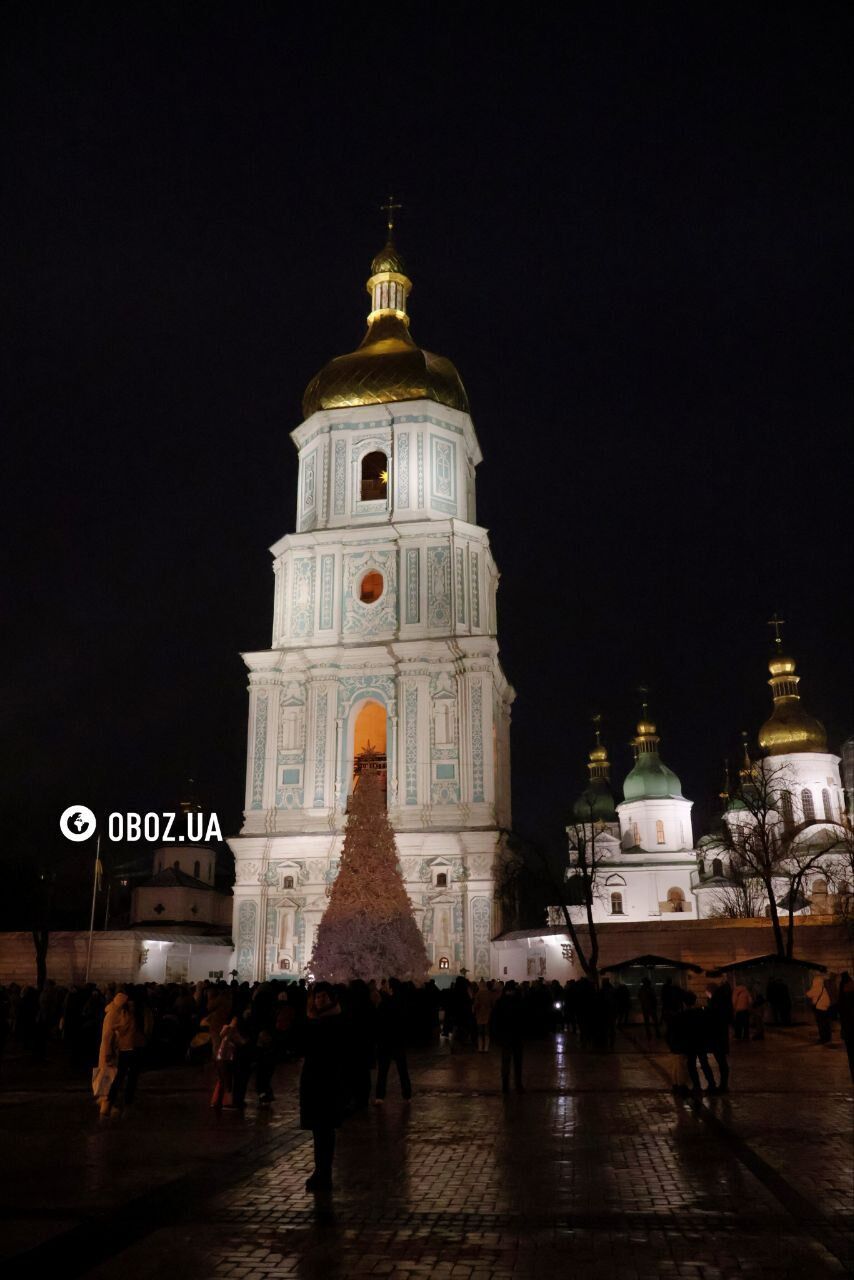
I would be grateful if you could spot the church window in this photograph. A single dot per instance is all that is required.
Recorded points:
(443, 723)
(717, 867)
(636, 834)
(677, 898)
(374, 485)
(659, 832)
(819, 887)
(197, 870)
(371, 587)
(826, 803)
(616, 904)
(176, 866)
(808, 805)
(442, 880)
(288, 882)
(786, 807)
(444, 962)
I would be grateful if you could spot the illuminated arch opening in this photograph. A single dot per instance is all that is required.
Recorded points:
(369, 741)
(374, 486)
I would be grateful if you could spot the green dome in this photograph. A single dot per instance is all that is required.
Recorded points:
(596, 804)
(651, 779)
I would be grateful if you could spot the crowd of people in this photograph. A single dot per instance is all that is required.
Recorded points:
(344, 1034)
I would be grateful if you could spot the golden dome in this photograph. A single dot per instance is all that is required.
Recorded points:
(387, 366)
(388, 259)
(598, 754)
(789, 729)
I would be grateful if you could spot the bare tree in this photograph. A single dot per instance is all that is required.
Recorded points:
(576, 886)
(742, 897)
(763, 845)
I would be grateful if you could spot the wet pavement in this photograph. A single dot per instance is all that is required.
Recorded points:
(596, 1167)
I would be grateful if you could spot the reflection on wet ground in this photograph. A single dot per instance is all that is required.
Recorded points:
(594, 1166)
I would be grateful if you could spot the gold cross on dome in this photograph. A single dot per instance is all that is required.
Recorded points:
(644, 693)
(777, 623)
(597, 722)
(389, 210)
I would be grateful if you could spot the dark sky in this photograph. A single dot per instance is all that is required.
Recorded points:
(628, 225)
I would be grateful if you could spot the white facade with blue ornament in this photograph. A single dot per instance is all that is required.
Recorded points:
(384, 648)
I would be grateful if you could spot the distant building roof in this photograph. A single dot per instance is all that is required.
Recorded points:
(172, 878)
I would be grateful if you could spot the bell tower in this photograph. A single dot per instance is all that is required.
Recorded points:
(384, 654)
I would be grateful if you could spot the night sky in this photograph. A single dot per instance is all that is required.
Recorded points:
(628, 225)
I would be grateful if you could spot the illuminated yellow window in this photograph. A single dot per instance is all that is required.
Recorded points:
(659, 832)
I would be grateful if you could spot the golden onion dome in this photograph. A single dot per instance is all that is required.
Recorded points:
(387, 366)
(388, 259)
(598, 755)
(789, 729)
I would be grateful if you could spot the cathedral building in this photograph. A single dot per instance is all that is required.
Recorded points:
(384, 655)
(643, 848)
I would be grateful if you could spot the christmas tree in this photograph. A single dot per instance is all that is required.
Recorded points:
(368, 929)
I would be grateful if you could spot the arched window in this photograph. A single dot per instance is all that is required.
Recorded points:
(371, 587)
(808, 805)
(197, 870)
(786, 808)
(659, 832)
(444, 962)
(636, 834)
(616, 904)
(819, 887)
(288, 882)
(176, 866)
(826, 803)
(442, 880)
(374, 485)
(677, 898)
(717, 867)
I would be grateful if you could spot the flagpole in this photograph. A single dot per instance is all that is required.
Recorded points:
(94, 896)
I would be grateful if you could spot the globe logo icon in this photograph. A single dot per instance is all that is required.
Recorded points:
(77, 822)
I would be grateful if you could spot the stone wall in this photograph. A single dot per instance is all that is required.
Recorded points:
(708, 943)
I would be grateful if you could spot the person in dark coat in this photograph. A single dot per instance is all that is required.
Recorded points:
(649, 1008)
(508, 1030)
(391, 1040)
(717, 1013)
(845, 1005)
(688, 1035)
(322, 1084)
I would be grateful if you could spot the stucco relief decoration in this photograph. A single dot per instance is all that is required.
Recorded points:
(475, 590)
(246, 872)
(309, 483)
(403, 470)
(268, 876)
(247, 917)
(367, 619)
(413, 585)
(351, 687)
(320, 750)
(411, 763)
(477, 742)
(480, 934)
(419, 454)
(302, 609)
(259, 749)
(460, 573)
(438, 587)
(327, 578)
(340, 479)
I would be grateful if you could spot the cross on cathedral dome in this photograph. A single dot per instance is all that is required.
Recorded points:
(387, 366)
